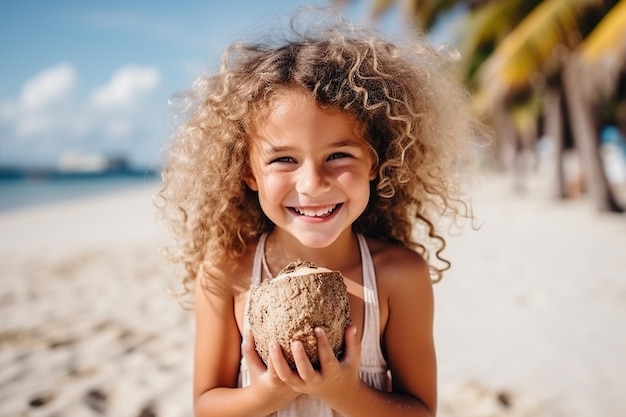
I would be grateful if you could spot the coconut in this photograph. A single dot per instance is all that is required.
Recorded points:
(299, 299)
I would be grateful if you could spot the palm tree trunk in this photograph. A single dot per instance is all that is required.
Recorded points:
(586, 140)
(554, 131)
(506, 139)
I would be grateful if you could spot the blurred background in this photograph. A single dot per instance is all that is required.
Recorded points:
(529, 320)
(84, 86)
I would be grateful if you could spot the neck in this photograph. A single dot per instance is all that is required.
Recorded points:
(282, 248)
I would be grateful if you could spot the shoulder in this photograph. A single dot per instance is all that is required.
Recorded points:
(398, 266)
(225, 277)
(403, 281)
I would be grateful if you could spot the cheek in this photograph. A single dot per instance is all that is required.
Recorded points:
(274, 184)
(354, 178)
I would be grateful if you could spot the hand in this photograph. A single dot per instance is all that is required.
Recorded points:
(334, 377)
(264, 378)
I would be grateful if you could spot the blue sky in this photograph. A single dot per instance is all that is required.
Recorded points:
(87, 78)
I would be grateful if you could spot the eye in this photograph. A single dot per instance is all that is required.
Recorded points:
(339, 155)
(283, 160)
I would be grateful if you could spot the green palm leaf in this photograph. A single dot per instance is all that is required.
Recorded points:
(603, 53)
(528, 49)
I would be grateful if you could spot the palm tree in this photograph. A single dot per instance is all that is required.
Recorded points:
(524, 68)
(540, 55)
(485, 27)
(591, 77)
(524, 55)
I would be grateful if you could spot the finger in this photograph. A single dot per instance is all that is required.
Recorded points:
(279, 363)
(302, 361)
(270, 365)
(352, 340)
(250, 354)
(324, 349)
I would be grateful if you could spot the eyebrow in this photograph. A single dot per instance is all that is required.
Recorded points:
(339, 144)
(347, 144)
(277, 149)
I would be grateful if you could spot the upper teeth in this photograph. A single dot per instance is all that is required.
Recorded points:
(317, 212)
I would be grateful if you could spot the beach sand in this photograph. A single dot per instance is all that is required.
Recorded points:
(529, 321)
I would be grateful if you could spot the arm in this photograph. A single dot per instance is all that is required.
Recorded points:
(408, 337)
(216, 361)
(405, 284)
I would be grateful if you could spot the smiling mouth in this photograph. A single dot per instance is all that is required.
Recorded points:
(316, 212)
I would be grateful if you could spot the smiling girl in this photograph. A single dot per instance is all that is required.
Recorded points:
(335, 147)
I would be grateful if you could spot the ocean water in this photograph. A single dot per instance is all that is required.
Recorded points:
(18, 193)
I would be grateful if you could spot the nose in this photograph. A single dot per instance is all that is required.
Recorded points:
(312, 179)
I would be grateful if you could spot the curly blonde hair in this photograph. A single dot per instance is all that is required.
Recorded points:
(414, 117)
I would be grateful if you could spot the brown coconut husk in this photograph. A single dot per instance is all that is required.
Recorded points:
(290, 306)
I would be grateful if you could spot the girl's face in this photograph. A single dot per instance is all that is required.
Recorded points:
(311, 169)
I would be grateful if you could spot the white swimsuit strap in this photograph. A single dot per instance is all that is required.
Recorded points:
(257, 272)
(372, 354)
(259, 257)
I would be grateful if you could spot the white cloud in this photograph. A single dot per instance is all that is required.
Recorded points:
(50, 114)
(125, 88)
(41, 100)
(50, 86)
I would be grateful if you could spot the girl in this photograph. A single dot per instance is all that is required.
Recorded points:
(335, 147)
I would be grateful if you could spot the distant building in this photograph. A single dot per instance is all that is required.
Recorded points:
(78, 162)
(118, 163)
(73, 161)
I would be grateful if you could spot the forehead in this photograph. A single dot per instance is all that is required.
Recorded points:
(286, 99)
(297, 107)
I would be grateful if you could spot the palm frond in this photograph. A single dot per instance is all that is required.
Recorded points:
(527, 49)
(483, 27)
(488, 23)
(603, 53)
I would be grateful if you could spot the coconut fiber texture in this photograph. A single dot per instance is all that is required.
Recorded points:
(288, 308)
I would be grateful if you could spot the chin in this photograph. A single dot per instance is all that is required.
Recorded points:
(316, 240)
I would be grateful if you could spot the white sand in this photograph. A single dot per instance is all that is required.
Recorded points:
(87, 328)
(534, 309)
(532, 314)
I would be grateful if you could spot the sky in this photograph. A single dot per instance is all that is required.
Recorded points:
(86, 78)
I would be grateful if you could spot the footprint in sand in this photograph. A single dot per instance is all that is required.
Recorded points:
(97, 400)
(41, 399)
(148, 411)
(473, 399)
